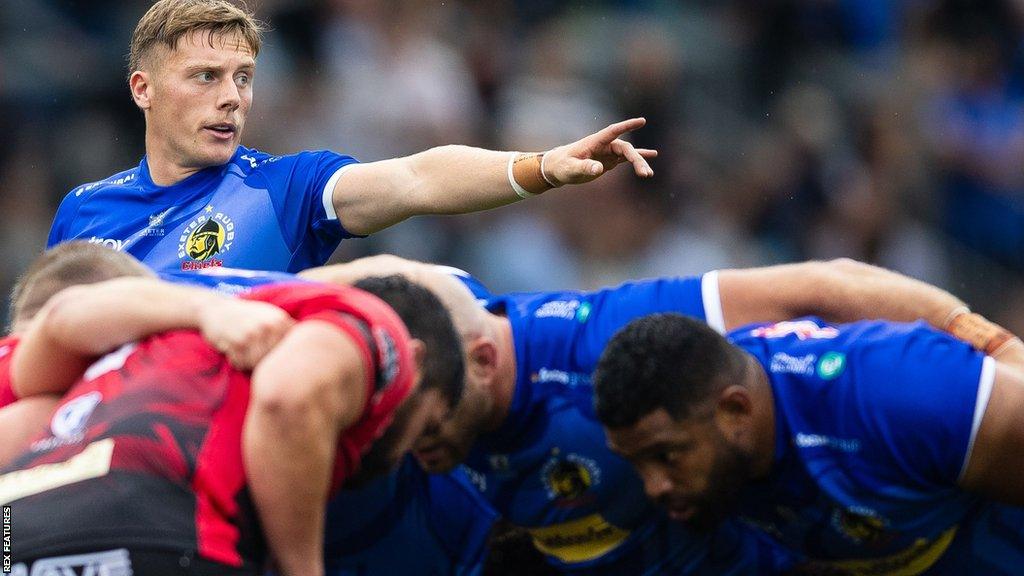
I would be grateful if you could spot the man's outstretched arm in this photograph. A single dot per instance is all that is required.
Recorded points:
(461, 179)
(838, 291)
(845, 290)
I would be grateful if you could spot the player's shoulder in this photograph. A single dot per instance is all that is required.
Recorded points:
(89, 190)
(555, 305)
(251, 160)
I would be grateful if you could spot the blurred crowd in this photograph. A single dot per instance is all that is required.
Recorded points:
(890, 131)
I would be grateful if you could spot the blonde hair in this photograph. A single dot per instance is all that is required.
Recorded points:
(167, 21)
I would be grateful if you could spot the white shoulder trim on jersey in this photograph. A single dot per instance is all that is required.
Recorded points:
(328, 194)
(988, 378)
(712, 301)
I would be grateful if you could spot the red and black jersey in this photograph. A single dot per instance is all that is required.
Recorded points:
(145, 450)
(7, 346)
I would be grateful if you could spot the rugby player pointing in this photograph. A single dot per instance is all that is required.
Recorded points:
(199, 199)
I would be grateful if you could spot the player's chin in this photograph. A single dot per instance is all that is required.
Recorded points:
(435, 461)
(218, 152)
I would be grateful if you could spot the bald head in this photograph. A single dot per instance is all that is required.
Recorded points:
(467, 315)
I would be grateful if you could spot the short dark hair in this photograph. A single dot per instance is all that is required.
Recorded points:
(427, 320)
(661, 361)
(68, 264)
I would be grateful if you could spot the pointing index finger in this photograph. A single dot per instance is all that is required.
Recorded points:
(613, 131)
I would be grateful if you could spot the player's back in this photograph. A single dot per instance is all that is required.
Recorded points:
(874, 421)
(144, 449)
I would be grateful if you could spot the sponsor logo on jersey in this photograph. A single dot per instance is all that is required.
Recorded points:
(831, 365)
(559, 377)
(210, 234)
(567, 480)
(115, 182)
(818, 441)
(583, 312)
(911, 561)
(802, 329)
(783, 363)
(111, 243)
(565, 309)
(92, 462)
(578, 540)
(109, 563)
(478, 479)
(156, 222)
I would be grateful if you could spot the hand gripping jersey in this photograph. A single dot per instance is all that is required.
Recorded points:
(258, 211)
(548, 468)
(145, 450)
(874, 427)
(7, 346)
(408, 522)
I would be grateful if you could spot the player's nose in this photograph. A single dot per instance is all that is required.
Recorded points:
(657, 485)
(228, 97)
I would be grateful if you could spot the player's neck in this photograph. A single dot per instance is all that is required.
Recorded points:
(505, 375)
(164, 170)
(764, 419)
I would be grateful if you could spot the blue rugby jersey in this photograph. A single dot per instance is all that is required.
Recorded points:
(231, 281)
(548, 468)
(408, 522)
(874, 425)
(257, 211)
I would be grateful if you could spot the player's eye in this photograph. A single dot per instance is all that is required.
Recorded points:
(667, 456)
(206, 76)
(243, 80)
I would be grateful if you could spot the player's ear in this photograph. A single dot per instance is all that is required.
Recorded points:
(482, 358)
(140, 86)
(734, 408)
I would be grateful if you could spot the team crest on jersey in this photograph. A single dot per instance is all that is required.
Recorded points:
(210, 234)
(69, 420)
(568, 479)
(862, 528)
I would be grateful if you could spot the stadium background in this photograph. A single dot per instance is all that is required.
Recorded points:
(890, 131)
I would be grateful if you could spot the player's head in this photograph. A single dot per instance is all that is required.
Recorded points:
(67, 264)
(674, 398)
(442, 447)
(191, 65)
(439, 383)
